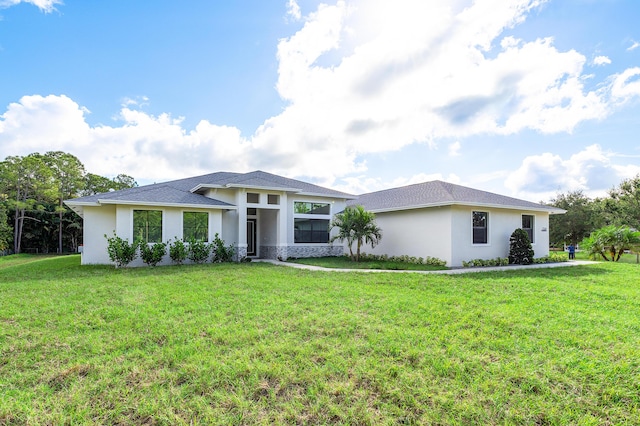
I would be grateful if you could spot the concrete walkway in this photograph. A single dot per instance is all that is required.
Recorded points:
(445, 271)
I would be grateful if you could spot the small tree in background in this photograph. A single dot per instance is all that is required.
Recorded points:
(520, 250)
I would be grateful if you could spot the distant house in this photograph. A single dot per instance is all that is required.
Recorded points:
(453, 222)
(269, 216)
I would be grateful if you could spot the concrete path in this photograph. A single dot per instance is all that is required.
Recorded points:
(445, 271)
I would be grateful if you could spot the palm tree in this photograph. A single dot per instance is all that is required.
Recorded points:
(613, 240)
(355, 224)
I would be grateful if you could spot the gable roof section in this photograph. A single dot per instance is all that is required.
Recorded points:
(263, 180)
(438, 193)
(185, 192)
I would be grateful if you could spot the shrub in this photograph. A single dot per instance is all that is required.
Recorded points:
(498, 261)
(222, 253)
(432, 261)
(198, 251)
(152, 254)
(520, 250)
(120, 251)
(178, 251)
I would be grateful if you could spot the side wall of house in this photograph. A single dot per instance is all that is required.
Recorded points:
(418, 233)
(501, 224)
(97, 222)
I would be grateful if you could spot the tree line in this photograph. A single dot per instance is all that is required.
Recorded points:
(620, 208)
(33, 217)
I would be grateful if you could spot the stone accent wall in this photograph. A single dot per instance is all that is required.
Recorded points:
(241, 253)
(283, 253)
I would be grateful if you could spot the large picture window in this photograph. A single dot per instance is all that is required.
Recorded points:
(527, 225)
(147, 226)
(311, 230)
(480, 227)
(195, 226)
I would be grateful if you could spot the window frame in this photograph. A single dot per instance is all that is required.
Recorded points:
(184, 236)
(485, 228)
(313, 218)
(531, 232)
(134, 229)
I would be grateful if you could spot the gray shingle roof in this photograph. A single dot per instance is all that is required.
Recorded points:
(440, 193)
(179, 191)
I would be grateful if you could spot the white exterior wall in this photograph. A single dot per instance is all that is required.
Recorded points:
(98, 221)
(447, 233)
(501, 224)
(106, 219)
(419, 233)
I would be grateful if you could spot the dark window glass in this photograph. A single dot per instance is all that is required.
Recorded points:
(195, 225)
(273, 199)
(252, 211)
(527, 225)
(479, 227)
(147, 226)
(253, 198)
(311, 231)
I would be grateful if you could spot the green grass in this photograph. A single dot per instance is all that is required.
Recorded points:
(343, 262)
(261, 344)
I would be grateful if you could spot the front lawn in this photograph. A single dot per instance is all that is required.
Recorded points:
(262, 344)
(344, 262)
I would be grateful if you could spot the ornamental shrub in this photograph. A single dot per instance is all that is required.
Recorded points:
(520, 250)
(221, 253)
(120, 251)
(152, 254)
(198, 251)
(178, 251)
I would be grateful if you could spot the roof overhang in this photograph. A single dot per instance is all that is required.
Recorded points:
(552, 210)
(78, 207)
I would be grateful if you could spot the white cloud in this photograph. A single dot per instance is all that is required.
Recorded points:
(293, 10)
(592, 170)
(601, 60)
(454, 149)
(634, 45)
(626, 85)
(360, 77)
(46, 6)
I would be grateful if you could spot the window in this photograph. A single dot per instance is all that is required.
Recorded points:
(253, 198)
(311, 208)
(311, 230)
(252, 211)
(195, 226)
(527, 225)
(147, 226)
(273, 199)
(479, 227)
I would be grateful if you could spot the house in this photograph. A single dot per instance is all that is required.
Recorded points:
(269, 216)
(453, 223)
(261, 214)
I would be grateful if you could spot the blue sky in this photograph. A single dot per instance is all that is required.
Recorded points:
(527, 98)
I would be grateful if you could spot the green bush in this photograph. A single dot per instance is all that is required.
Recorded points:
(120, 251)
(152, 254)
(498, 261)
(221, 253)
(198, 251)
(432, 261)
(178, 251)
(520, 250)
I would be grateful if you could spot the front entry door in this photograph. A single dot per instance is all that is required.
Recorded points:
(251, 237)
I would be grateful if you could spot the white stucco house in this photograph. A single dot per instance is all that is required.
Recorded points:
(269, 216)
(453, 223)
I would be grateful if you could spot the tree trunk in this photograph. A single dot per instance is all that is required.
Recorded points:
(60, 234)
